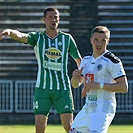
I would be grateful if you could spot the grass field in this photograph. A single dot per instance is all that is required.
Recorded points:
(58, 129)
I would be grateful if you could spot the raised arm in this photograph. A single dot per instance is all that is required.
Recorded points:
(78, 61)
(15, 34)
(77, 79)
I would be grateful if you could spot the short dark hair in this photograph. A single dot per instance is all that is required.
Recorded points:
(101, 29)
(51, 8)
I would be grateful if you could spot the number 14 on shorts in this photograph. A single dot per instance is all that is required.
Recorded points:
(35, 105)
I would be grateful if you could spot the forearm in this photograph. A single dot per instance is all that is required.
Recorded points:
(18, 36)
(120, 86)
(78, 61)
(116, 87)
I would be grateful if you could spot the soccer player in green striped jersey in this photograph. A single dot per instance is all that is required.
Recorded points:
(52, 48)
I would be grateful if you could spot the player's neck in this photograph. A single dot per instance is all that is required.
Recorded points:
(52, 33)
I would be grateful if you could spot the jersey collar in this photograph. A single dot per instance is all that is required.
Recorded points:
(49, 36)
(99, 56)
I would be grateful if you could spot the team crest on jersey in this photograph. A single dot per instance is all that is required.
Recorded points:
(53, 53)
(60, 43)
(99, 67)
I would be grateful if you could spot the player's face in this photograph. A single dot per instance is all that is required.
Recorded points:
(99, 43)
(52, 20)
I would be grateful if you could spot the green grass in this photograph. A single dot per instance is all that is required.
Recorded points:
(58, 129)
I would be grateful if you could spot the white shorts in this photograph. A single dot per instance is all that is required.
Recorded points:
(90, 121)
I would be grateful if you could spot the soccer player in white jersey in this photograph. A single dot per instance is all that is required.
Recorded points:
(53, 85)
(103, 76)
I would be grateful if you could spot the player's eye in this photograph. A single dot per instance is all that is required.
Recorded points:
(96, 39)
(103, 41)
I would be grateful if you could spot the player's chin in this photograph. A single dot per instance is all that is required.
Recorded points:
(52, 28)
(100, 50)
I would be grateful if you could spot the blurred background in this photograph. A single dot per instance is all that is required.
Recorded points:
(18, 65)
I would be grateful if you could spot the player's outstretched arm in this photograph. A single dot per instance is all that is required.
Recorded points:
(14, 34)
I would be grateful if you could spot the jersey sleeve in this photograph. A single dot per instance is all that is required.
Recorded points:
(117, 70)
(73, 50)
(32, 38)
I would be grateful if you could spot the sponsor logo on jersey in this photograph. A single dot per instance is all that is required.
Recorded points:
(89, 77)
(92, 100)
(92, 97)
(53, 53)
(53, 65)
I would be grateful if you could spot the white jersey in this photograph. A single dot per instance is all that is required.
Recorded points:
(105, 68)
(99, 109)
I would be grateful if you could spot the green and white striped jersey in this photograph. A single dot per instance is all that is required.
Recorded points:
(52, 57)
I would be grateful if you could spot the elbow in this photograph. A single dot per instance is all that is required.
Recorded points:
(125, 86)
(125, 89)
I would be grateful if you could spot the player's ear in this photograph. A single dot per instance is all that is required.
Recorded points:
(90, 40)
(108, 41)
(43, 19)
(59, 19)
